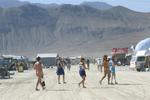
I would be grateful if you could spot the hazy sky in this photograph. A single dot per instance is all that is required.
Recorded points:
(137, 5)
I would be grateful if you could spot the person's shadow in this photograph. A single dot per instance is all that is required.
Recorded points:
(104, 87)
(61, 90)
(128, 84)
(113, 86)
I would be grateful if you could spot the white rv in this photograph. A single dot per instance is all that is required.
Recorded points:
(140, 60)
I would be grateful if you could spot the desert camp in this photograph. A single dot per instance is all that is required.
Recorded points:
(74, 50)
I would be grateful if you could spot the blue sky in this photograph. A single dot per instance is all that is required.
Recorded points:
(137, 5)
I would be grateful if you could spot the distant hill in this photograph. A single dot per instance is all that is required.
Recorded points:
(98, 5)
(17, 3)
(46, 5)
(70, 29)
(11, 3)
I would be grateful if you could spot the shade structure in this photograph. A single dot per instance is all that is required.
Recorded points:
(143, 45)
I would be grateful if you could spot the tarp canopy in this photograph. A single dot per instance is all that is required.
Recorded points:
(45, 55)
(14, 56)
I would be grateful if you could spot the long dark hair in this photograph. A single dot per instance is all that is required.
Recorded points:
(38, 58)
(105, 58)
(82, 59)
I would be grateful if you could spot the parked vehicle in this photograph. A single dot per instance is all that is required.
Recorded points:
(15, 60)
(4, 68)
(128, 59)
(139, 61)
(75, 60)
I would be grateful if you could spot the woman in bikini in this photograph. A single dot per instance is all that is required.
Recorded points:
(82, 72)
(106, 69)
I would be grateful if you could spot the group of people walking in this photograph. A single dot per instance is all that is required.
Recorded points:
(108, 64)
(109, 69)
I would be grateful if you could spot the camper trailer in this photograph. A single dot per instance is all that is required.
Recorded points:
(140, 61)
(48, 59)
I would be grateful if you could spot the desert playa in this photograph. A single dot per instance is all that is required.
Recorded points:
(132, 85)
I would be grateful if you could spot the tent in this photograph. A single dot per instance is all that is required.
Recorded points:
(143, 45)
(48, 59)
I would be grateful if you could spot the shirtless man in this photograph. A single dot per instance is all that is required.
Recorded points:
(39, 73)
(60, 70)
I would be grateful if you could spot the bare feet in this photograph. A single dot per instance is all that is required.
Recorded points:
(37, 89)
(79, 84)
(116, 82)
(84, 87)
(100, 82)
(112, 83)
(65, 82)
(43, 88)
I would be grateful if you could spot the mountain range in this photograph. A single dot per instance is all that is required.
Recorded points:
(11, 3)
(70, 29)
(17, 3)
(98, 5)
